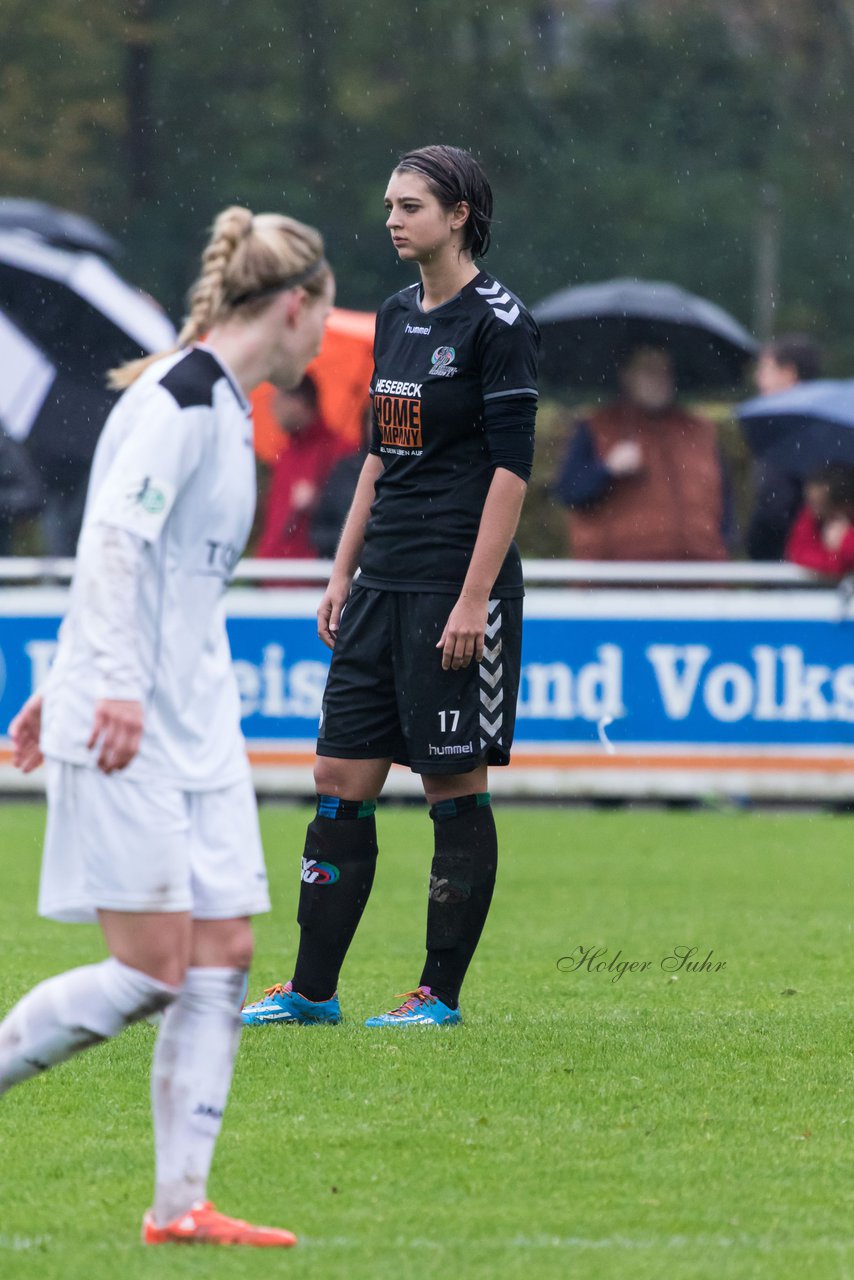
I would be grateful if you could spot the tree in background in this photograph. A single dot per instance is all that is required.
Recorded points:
(61, 103)
(709, 144)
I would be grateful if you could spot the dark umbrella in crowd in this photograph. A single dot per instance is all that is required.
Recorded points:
(57, 226)
(68, 318)
(588, 329)
(55, 414)
(799, 431)
(26, 377)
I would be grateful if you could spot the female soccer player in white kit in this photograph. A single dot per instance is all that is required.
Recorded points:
(152, 824)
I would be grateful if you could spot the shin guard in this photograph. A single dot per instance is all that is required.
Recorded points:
(337, 874)
(462, 880)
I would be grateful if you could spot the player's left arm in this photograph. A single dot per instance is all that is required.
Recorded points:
(508, 365)
(465, 630)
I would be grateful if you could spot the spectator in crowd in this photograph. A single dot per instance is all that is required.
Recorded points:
(778, 494)
(21, 493)
(822, 537)
(643, 479)
(786, 361)
(337, 495)
(299, 474)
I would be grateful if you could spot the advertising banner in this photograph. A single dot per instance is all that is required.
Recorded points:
(624, 692)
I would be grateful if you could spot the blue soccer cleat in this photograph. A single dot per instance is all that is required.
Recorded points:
(283, 1004)
(419, 1009)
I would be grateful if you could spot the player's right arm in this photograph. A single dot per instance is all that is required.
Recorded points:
(349, 552)
(107, 576)
(25, 732)
(112, 567)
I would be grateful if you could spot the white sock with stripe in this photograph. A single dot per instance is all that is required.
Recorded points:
(191, 1076)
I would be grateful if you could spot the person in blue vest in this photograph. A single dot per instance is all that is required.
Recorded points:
(778, 493)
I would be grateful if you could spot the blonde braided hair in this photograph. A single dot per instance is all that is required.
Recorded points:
(247, 260)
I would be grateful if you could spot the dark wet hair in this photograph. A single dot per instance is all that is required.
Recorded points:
(839, 478)
(796, 351)
(454, 175)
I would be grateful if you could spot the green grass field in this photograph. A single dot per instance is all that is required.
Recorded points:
(687, 1125)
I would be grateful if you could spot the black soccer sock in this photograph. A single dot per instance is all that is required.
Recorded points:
(337, 874)
(462, 879)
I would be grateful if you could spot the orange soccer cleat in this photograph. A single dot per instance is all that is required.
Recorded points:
(204, 1225)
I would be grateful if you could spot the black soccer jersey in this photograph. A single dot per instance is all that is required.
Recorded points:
(440, 379)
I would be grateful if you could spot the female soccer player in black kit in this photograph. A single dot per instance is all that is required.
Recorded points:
(426, 654)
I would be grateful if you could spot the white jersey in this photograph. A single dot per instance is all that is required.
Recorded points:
(175, 467)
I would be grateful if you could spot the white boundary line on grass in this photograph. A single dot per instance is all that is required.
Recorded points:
(17, 1244)
(764, 1243)
(761, 1244)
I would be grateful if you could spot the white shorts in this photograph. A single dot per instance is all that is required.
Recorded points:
(126, 846)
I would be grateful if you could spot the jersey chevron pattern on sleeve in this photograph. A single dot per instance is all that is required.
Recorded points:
(502, 304)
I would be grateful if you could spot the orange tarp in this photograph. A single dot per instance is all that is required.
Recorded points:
(342, 372)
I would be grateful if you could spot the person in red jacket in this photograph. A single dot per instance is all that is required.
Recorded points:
(822, 537)
(299, 474)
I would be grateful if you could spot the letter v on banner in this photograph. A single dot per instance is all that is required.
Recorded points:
(677, 669)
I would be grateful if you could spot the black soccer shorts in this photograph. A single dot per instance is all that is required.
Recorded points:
(387, 695)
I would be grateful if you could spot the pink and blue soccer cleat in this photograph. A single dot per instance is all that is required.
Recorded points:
(420, 1008)
(282, 1004)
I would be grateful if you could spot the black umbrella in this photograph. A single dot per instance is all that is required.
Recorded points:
(67, 319)
(588, 329)
(75, 308)
(56, 226)
(799, 431)
(57, 417)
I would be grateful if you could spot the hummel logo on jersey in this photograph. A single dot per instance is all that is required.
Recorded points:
(498, 297)
(418, 328)
(442, 362)
(318, 872)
